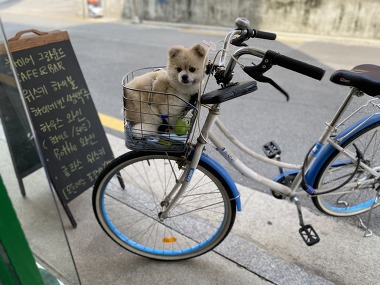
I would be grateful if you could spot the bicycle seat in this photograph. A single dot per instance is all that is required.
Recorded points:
(365, 77)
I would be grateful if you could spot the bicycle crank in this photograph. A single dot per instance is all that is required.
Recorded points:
(307, 232)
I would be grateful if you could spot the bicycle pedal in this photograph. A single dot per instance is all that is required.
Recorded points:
(271, 149)
(309, 235)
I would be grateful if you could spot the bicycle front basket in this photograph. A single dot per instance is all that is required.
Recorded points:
(156, 121)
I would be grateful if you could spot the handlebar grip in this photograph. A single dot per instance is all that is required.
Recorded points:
(265, 35)
(299, 66)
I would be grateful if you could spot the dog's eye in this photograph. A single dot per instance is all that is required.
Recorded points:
(192, 69)
(179, 69)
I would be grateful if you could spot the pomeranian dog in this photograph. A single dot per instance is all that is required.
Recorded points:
(147, 111)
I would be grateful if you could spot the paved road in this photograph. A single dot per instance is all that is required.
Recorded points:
(106, 50)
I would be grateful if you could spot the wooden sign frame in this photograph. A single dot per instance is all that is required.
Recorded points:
(70, 136)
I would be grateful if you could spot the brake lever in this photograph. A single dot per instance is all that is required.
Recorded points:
(256, 73)
(245, 35)
(239, 42)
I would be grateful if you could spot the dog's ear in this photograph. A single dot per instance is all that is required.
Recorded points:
(173, 51)
(199, 50)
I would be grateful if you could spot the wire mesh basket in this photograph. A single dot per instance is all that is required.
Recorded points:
(156, 121)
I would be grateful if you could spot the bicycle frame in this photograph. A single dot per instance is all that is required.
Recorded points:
(323, 140)
(313, 163)
(200, 208)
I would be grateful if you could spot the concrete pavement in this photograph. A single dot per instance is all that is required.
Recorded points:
(264, 246)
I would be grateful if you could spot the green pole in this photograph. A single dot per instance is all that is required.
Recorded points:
(17, 265)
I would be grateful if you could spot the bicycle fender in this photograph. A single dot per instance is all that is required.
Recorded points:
(227, 178)
(328, 149)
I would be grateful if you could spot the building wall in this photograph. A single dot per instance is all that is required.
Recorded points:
(326, 17)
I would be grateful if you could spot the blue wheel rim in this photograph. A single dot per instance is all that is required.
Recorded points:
(151, 250)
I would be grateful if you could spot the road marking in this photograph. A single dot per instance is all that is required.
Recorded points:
(111, 122)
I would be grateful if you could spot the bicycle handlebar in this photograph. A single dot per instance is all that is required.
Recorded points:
(265, 35)
(243, 25)
(246, 34)
(296, 65)
(269, 58)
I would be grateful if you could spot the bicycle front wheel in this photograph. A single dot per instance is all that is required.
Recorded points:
(127, 201)
(338, 168)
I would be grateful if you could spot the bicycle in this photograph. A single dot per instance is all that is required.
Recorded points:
(168, 200)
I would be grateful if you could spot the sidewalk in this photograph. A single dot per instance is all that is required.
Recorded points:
(264, 246)
(237, 261)
(264, 242)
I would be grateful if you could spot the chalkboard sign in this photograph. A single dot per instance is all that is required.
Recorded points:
(71, 137)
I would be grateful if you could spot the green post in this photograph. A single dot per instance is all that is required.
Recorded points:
(17, 265)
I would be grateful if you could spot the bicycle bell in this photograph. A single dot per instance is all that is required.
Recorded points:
(242, 23)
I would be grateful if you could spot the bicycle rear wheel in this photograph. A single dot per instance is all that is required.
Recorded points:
(338, 168)
(200, 221)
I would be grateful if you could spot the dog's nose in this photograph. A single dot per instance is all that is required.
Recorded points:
(185, 78)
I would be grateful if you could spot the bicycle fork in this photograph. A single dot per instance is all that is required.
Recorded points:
(181, 185)
(183, 182)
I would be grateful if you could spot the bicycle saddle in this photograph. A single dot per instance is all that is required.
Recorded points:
(365, 77)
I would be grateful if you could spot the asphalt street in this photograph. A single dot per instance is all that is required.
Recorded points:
(107, 49)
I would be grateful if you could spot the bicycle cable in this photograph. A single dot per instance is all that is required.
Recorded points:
(202, 89)
(310, 190)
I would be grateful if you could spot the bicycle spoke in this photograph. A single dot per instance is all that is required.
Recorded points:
(348, 201)
(198, 222)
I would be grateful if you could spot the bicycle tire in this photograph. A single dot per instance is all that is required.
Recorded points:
(349, 202)
(199, 222)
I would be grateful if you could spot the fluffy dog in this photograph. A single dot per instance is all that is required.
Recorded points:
(147, 111)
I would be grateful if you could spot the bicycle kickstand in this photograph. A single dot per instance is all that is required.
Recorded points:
(307, 232)
(368, 231)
